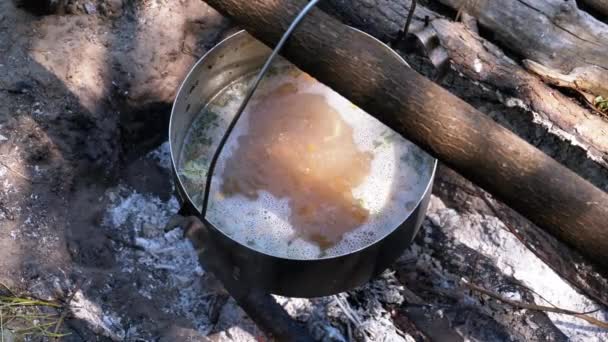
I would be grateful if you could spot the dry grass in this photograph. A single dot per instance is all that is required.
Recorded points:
(24, 316)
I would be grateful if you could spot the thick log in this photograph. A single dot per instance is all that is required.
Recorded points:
(526, 179)
(600, 6)
(565, 45)
(457, 192)
(480, 60)
(381, 18)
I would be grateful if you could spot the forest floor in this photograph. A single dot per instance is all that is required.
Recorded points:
(86, 191)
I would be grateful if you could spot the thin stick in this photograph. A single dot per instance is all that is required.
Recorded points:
(410, 15)
(504, 218)
(347, 310)
(10, 292)
(65, 311)
(535, 307)
(1, 326)
(553, 305)
(17, 172)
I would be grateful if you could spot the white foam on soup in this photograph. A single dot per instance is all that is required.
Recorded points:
(399, 175)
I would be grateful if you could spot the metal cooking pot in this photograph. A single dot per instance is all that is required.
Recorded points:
(234, 57)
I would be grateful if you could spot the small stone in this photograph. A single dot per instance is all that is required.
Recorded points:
(90, 8)
(149, 230)
(3, 138)
(110, 8)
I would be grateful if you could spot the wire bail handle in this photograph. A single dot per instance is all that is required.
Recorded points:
(256, 83)
(294, 24)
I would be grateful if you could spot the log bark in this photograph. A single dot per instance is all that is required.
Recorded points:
(601, 6)
(480, 60)
(564, 45)
(381, 18)
(538, 187)
(457, 192)
(468, 52)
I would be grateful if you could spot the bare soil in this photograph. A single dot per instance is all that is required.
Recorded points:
(83, 97)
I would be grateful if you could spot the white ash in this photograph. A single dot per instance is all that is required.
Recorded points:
(326, 320)
(235, 333)
(102, 323)
(369, 306)
(234, 325)
(477, 65)
(162, 155)
(358, 315)
(167, 257)
(489, 236)
(130, 207)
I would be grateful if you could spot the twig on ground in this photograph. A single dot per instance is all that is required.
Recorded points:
(350, 314)
(21, 175)
(535, 307)
(575, 279)
(124, 243)
(18, 173)
(553, 305)
(10, 292)
(66, 310)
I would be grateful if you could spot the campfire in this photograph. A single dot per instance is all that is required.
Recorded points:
(107, 232)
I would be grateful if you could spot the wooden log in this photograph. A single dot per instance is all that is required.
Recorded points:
(479, 60)
(600, 6)
(482, 61)
(563, 44)
(457, 192)
(468, 53)
(535, 185)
